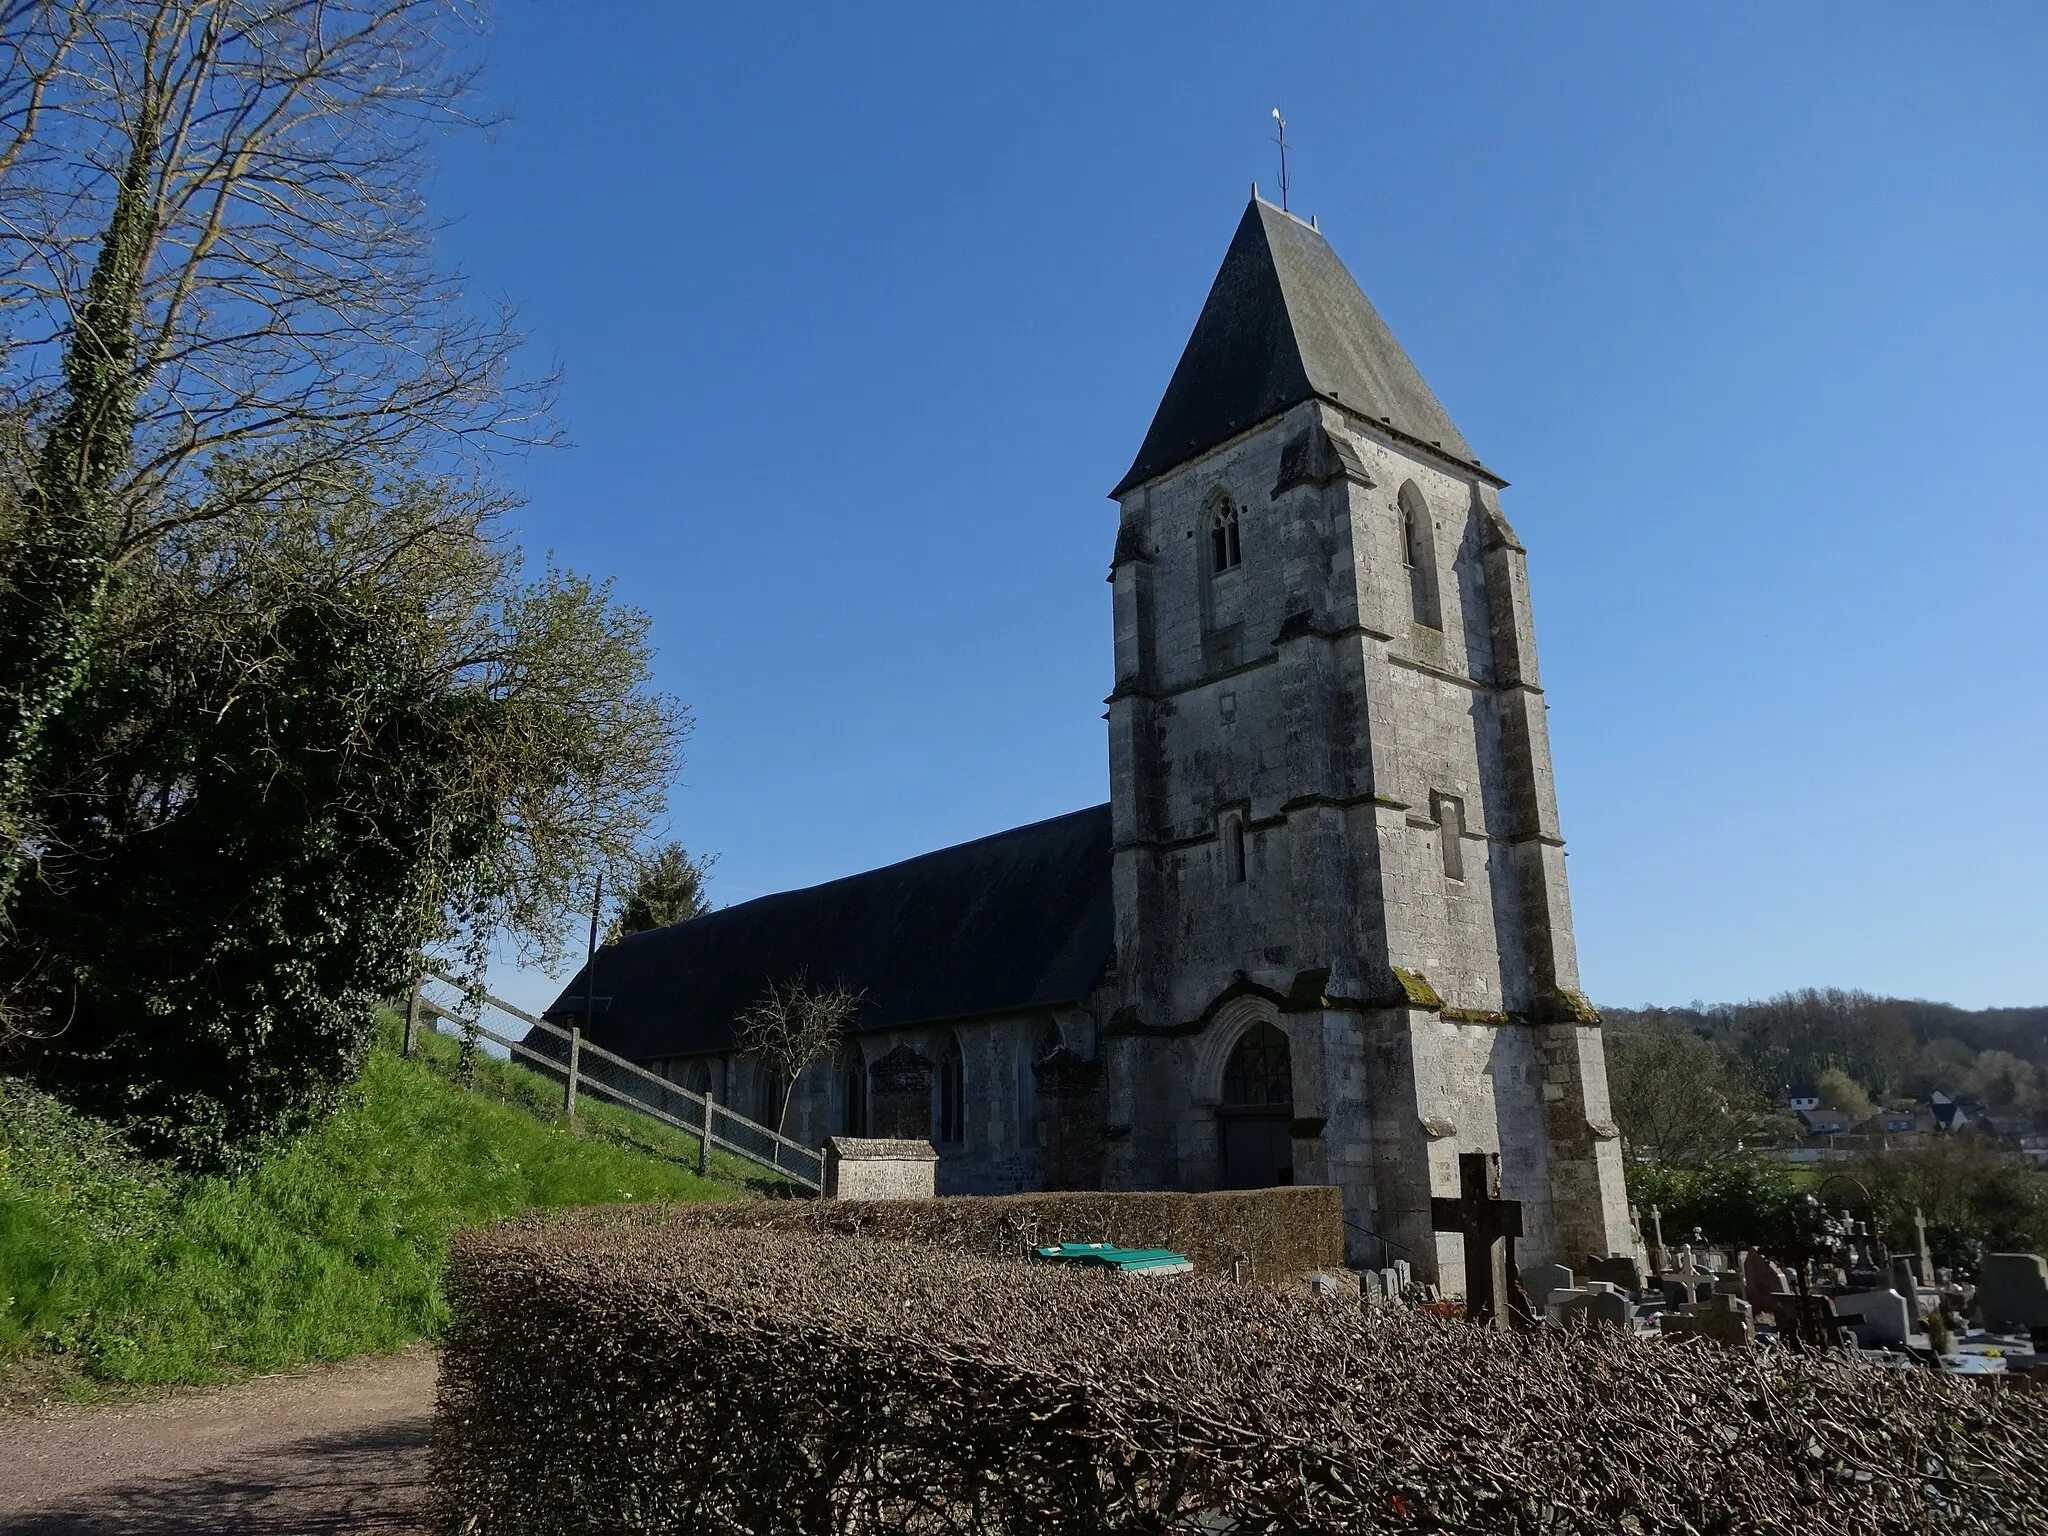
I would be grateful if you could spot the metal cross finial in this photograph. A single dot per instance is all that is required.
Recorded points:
(1280, 138)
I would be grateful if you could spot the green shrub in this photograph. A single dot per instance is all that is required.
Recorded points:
(1745, 1202)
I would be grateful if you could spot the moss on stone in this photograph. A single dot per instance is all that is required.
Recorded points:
(1572, 1008)
(1417, 987)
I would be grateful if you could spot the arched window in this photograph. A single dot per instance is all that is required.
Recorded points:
(952, 1092)
(1226, 551)
(1260, 1071)
(1418, 553)
(770, 1095)
(1233, 848)
(853, 1092)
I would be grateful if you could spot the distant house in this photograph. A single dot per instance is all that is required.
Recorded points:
(1824, 1122)
(1898, 1122)
(2012, 1124)
(1802, 1097)
(1950, 1114)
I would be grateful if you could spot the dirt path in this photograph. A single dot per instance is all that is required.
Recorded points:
(339, 1448)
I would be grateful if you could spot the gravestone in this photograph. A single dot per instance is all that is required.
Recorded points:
(1596, 1304)
(1687, 1283)
(2012, 1292)
(1879, 1317)
(1726, 1320)
(1761, 1280)
(1562, 1304)
(1806, 1322)
(1618, 1269)
(1540, 1280)
(879, 1168)
(1490, 1225)
(1392, 1284)
(1904, 1280)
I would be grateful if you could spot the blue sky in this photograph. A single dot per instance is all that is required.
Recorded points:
(863, 309)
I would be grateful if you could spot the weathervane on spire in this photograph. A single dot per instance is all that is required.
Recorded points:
(1280, 138)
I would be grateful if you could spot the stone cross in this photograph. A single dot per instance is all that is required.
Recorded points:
(1926, 1275)
(1688, 1283)
(1660, 1260)
(1493, 1286)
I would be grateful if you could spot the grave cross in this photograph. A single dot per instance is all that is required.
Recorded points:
(1493, 1286)
(1926, 1276)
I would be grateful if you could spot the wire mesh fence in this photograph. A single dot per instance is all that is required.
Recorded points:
(580, 1068)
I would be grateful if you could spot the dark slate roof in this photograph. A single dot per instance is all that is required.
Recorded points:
(1285, 322)
(1015, 921)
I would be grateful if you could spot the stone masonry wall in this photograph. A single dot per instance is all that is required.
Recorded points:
(1298, 695)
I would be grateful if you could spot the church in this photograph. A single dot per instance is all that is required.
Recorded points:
(1320, 933)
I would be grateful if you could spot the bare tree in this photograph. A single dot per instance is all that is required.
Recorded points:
(793, 1025)
(213, 242)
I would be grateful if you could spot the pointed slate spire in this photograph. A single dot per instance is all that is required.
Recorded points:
(1285, 322)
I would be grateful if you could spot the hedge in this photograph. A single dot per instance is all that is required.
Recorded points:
(679, 1378)
(1273, 1235)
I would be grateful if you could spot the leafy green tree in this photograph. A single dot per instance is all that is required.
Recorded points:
(1677, 1097)
(216, 246)
(668, 888)
(1838, 1090)
(1742, 1201)
(316, 737)
(2004, 1081)
(1976, 1195)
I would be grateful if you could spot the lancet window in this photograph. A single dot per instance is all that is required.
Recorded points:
(1418, 553)
(1226, 548)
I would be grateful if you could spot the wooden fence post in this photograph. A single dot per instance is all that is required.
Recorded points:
(704, 1141)
(575, 1060)
(412, 1019)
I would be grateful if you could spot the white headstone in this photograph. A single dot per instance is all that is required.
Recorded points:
(1880, 1317)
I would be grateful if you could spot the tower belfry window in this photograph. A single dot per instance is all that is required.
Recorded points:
(1418, 553)
(1226, 550)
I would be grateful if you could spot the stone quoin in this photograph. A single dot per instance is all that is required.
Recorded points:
(1321, 932)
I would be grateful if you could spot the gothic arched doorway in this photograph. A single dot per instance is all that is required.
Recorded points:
(1257, 1114)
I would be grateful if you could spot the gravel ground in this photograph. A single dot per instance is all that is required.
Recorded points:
(337, 1448)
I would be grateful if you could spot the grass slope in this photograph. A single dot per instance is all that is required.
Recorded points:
(131, 1273)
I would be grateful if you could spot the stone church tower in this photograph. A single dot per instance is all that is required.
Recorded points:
(1344, 945)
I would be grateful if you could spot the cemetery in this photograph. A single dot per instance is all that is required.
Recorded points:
(917, 1365)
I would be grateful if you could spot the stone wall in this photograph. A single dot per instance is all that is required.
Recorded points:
(1017, 1133)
